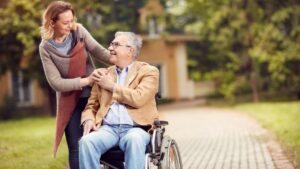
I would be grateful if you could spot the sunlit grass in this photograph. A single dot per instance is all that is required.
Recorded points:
(283, 118)
(27, 144)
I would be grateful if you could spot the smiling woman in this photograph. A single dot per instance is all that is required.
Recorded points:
(65, 50)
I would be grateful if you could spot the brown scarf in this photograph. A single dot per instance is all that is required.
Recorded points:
(68, 100)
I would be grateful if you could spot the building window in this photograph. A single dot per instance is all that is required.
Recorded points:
(21, 89)
(152, 26)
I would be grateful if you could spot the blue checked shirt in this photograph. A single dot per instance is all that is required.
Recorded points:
(117, 113)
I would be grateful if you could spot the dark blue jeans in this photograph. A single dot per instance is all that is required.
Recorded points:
(74, 132)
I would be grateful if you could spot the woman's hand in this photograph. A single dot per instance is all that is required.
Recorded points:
(90, 79)
(97, 73)
(106, 82)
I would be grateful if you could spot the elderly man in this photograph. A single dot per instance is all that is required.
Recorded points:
(120, 100)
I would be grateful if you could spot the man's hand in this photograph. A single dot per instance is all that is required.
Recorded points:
(89, 126)
(96, 74)
(105, 81)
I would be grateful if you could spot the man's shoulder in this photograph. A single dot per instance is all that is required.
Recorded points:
(146, 66)
(140, 66)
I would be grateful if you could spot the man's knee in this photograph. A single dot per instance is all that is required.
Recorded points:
(134, 138)
(137, 138)
(85, 141)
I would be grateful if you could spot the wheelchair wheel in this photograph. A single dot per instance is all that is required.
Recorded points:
(171, 155)
(149, 164)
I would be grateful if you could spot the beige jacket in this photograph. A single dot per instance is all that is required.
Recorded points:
(138, 95)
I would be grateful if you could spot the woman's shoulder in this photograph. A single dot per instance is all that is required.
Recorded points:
(42, 44)
(80, 28)
(44, 48)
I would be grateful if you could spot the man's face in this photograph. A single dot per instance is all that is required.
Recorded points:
(121, 52)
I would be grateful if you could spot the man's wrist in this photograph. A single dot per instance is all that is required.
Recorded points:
(113, 87)
(86, 121)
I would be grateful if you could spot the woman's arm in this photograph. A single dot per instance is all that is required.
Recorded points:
(97, 50)
(54, 78)
(92, 106)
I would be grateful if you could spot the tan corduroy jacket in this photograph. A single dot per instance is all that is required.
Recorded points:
(138, 95)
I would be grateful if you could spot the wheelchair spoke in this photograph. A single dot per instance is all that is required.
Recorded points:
(174, 156)
(171, 158)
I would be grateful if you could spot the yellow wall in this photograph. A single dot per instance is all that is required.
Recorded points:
(158, 51)
(39, 99)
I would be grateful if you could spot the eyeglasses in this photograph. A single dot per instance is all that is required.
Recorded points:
(117, 44)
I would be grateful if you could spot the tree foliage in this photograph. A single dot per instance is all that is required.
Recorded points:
(20, 22)
(246, 45)
(249, 45)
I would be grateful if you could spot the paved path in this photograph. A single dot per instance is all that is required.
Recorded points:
(221, 139)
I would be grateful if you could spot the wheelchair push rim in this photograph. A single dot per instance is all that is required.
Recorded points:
(172, 158)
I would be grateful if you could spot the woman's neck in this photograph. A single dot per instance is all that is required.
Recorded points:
(59, 39)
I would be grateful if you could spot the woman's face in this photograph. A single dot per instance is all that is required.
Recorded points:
(63, 25)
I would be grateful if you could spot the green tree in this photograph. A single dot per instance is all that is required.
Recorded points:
(250, 45)
(20, 35)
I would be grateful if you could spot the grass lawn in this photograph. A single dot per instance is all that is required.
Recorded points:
(283, 118)
(27, 144)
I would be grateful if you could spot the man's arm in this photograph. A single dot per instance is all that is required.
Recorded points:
(146, 89)
(89, 113)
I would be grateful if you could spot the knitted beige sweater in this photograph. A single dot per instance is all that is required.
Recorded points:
(56, 66)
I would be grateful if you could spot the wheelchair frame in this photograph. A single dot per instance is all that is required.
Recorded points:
(163, 152)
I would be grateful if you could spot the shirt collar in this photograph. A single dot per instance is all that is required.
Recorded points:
(119, 70)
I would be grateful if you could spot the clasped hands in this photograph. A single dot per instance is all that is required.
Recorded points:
(102, 78)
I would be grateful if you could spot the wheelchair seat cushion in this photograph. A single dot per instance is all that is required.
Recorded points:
(116, 154)
(113, 154)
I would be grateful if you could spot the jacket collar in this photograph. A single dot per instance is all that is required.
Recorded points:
(132, 73)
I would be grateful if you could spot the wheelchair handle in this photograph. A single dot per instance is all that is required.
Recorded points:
(159, 123)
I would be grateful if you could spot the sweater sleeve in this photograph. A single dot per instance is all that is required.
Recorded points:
(53, 75)
(97, 50)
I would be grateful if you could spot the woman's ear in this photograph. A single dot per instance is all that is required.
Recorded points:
(52, 23)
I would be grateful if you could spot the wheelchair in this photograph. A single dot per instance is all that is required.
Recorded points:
(161, 153)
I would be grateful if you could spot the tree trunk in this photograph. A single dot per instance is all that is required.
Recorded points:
(298, 95)
(253, 82)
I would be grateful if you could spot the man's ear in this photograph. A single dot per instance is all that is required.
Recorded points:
(132, 51)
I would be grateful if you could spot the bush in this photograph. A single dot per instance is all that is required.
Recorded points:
(8, 108)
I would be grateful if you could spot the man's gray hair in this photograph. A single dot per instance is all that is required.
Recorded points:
(134, 40)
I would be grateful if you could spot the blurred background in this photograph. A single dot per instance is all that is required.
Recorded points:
(226, 52)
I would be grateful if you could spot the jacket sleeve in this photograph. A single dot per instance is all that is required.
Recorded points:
(53, 75)
(97, 50)
(92, 106)
(139, 96)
